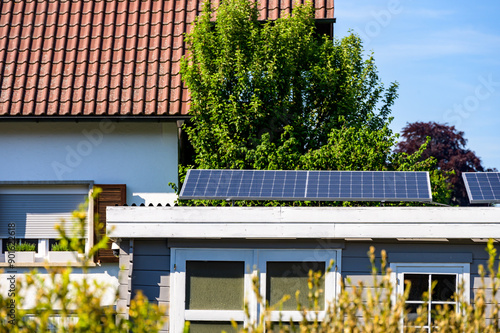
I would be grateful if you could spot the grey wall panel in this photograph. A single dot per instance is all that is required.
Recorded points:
(122, 289)
(151, 272)
(365, 291)
(121, 306)
(432, 257)
(124, 247)
(124, 259)
(163, 304)
(165, 327)
(358, 265)
(360, 249)
(488, 295)
(355, 253)
(474, 267)
(123, 277)
(152, 262)
(355, 279)
(153, 293)
(150, 278)
(153, 247)
(258, 243)
(488, 311)
(476, 281)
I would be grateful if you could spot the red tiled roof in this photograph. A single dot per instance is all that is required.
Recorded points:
(93, 58)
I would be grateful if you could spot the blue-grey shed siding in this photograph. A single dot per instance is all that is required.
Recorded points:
(151, 258)
(149, 270)
(356, 266)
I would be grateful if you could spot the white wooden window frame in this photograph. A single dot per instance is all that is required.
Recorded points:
(462, 271)
(255, 264)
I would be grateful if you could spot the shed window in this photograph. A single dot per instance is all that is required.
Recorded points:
(283, 277)
(441, 282)
(216, 285)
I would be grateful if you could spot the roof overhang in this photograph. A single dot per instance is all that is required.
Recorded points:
(304, 223)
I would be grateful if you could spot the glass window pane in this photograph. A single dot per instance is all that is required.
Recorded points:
(9, 244)
(285, 278)
(213, 327)
(445, 287)
(436, 308)
(419, 285)
(215, 285)
(285, 327)
(412, 315)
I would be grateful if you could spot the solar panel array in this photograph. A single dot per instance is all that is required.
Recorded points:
(482, 187)
(297, 185)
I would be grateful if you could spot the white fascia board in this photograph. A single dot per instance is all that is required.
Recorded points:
(309, 222)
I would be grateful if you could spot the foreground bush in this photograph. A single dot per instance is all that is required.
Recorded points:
(377, 309)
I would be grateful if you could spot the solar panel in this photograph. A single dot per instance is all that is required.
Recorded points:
(482, 187)
(298, 185)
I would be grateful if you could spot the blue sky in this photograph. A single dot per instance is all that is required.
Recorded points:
(446, 57)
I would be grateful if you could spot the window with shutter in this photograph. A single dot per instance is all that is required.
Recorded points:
(111, 195)
(29, 212)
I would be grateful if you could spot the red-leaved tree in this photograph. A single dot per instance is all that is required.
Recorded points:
(448, 146)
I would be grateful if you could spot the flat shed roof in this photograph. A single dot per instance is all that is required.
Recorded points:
(304, 222)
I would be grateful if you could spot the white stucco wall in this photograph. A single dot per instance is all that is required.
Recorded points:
(142, 155)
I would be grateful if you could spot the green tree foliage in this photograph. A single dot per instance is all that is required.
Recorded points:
(277, 84)
(278, 96)
(77, 302)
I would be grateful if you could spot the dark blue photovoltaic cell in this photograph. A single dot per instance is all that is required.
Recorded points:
(316, 185)
(482, 187)
(189, 189)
